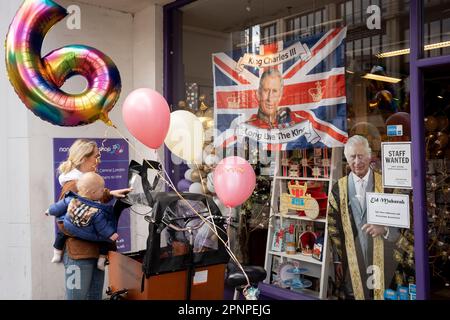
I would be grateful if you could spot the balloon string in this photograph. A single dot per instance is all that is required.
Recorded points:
(105, 138)
(143, 157)
(232, 256)
(204, 191)
(172, 185)
(229, 226)
(229, 246)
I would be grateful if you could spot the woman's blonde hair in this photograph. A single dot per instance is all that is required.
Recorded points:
(79, 150)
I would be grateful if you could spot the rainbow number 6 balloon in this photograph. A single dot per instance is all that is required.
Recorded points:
(37, 80)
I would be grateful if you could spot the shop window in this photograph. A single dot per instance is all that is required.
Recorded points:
(305, 24)
(268, 33)
(351, 84)
(436, 28)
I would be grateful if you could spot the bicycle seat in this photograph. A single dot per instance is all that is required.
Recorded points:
(235, 277)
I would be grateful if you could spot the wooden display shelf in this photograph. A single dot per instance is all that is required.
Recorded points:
(298, 256)
(274, 292)
(302, 178)
(297, 217)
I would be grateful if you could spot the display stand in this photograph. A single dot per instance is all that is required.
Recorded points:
(297, 211)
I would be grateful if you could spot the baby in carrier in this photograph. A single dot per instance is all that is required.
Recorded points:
(85, 217)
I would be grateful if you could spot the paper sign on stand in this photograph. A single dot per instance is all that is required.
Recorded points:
(388, 209)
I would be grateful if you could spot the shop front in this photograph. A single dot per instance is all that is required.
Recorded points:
(342, 108)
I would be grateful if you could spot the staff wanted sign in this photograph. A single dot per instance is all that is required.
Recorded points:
(396, 165)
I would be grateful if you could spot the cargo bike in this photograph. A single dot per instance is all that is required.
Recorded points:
(183, 258)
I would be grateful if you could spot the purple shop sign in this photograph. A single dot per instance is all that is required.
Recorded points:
(113, 168)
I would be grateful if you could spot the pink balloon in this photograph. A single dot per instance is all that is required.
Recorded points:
(147, 116)
(234, 181)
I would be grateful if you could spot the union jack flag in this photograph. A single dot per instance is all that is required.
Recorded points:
(314, 88)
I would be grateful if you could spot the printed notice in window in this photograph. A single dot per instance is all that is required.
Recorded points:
(388, 209)
(396, 165)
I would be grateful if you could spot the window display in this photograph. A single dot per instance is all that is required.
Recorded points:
(313, 93)
(364, 254)
(299, 210)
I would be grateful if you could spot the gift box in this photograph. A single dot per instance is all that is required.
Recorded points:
(403, 293)
(390, 294)
(318, 248)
